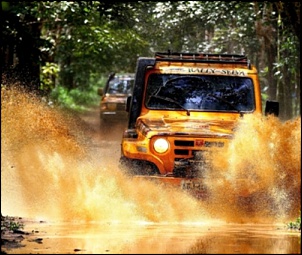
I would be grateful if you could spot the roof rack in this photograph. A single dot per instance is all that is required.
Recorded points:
(203, 57)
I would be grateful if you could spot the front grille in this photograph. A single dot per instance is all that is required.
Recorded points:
(213, 144)
(189, 147)
(183, 143)
(192, 155)
(121, 107)
(200, 155)
(181, 152)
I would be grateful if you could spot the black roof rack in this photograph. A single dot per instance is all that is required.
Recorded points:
(203, 57)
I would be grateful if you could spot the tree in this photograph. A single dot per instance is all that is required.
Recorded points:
(20, 42)
(85, 40)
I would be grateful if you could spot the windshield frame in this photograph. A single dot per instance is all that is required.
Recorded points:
(120, 85)
(217, 93)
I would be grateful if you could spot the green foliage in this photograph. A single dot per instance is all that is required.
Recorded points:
(74, 99)
(15, 225)
(10, 223)
(295, 224)
(85, 38)
(5, 5)
(49, 73)
(77, 99)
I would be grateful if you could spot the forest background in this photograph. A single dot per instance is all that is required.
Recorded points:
(64, 50)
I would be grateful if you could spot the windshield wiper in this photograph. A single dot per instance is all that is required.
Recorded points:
(171, 101)
(227, 102)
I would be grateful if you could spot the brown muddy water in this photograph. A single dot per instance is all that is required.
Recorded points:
(61, 172)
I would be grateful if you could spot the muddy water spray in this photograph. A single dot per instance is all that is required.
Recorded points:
(48, 172)
(260, 172)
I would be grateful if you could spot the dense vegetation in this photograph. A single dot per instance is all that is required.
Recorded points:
(64, 50)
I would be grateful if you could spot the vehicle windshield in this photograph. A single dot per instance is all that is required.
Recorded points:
(200, 93)
(121, 85)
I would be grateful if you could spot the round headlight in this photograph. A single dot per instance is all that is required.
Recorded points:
(161, 145)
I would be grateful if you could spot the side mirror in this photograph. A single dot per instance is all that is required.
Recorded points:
(272, 107)
(100, 91)
(128, 103)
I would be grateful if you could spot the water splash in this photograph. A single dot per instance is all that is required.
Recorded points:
(263, 164)
(48, 171)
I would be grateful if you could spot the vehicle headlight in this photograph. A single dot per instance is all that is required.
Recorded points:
(161, 145)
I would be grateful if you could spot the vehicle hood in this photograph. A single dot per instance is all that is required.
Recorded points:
(196, 127)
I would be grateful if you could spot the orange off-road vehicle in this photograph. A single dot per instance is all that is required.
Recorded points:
(184, 106)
